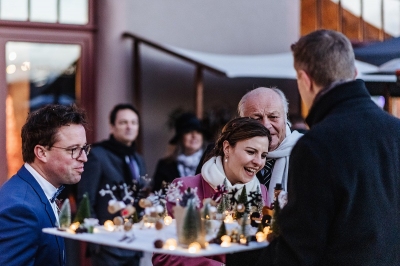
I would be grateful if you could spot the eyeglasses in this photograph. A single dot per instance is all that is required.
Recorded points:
(76, 152)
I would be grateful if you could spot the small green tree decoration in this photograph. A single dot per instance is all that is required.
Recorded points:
(260, 204)
(221, 231)
(243, 226)
(260, 228)
(65, 214)
(191, 228)
(206, 217)
(275, 219)
(224, 204)
(83, 209)
(242, 199)
(134, 218)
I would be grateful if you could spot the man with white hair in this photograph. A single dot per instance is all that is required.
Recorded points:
(270, 107)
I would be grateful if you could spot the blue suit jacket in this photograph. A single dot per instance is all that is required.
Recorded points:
(24, 211)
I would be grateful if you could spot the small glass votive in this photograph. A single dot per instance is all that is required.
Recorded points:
(167, 220)
(171, 244)
(194, 247)
(109, 225)
(260, 236)
(74, 226)
(226, 241)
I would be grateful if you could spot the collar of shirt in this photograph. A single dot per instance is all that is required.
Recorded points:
(47, 187)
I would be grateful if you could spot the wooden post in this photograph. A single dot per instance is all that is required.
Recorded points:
(382, 29)
(318, 12)
(199, 83)
(386, 93)
(361, 28)
(340, 17)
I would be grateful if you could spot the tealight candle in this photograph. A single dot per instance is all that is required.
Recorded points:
(147, 225)
(109, 225)
(194, 247)
(171, 244)
(243, 240)
(266, 230)
(226, 241)
(74, 226)
(167, 220)
(228, 219)
(260, 237)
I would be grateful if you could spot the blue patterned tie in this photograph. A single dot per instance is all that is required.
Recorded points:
(266, 177)
(57, 193)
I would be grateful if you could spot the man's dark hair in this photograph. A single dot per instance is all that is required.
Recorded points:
(326, 56)
(42, 126)
(237, 130)
(119, 107)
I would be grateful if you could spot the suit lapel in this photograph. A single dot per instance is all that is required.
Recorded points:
(24, 174)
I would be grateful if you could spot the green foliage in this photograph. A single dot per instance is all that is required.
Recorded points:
(275, 219)
(65, 214)
(222, 230)
(83, 209)
(191, 223)
(206, 211)
(242, 199)
(134, 218)
(244, 230)
(260, 228)
(260, 204)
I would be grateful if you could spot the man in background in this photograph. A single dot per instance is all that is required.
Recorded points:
(113, 162)
(343, 196)
(54, 150)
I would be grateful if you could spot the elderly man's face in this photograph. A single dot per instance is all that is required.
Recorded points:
(267, 107)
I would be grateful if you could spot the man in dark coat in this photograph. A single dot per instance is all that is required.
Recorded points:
(113, 162)
(344, 176)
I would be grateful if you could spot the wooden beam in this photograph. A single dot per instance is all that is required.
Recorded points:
(340, 16)
(382, 29)
(168, 50)
(318, 13)
(137, 89)
(199, 84)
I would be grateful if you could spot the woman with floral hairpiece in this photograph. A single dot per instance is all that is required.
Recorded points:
(239, 153)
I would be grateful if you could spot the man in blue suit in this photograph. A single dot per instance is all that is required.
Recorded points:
(54, 150)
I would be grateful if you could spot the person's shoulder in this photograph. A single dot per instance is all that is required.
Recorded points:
(17, 193)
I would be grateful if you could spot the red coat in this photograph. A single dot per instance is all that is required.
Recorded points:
(204, 190)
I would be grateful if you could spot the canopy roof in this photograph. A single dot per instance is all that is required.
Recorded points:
(380, 52)
(279, 66)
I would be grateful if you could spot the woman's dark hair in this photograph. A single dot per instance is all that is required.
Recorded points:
(42, 126)
(118, 107)
(236, 130)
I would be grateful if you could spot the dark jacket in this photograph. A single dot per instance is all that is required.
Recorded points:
(344, 182)
(106, 165)
(166, 170)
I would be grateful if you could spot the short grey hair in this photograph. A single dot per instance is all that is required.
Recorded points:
(258, 90)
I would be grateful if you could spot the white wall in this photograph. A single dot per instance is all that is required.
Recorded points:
(223, 26)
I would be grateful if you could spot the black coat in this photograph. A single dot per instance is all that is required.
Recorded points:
(344, 182)
(166, 170)
(105, 167)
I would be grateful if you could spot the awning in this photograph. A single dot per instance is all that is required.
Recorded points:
(279, 66)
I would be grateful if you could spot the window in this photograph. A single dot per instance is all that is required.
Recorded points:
(37, 74)
(47, 11)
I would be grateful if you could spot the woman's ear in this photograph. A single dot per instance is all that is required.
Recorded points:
(226, 147)
(40, 153)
